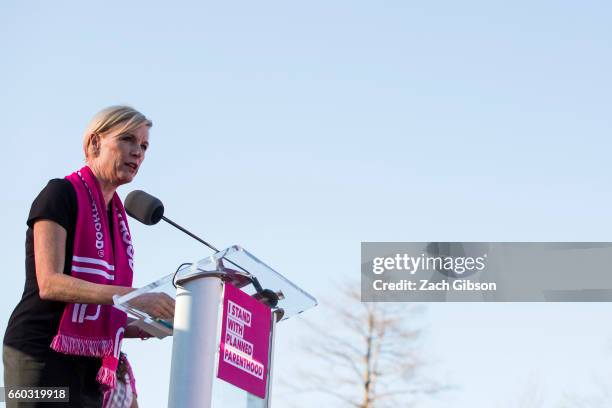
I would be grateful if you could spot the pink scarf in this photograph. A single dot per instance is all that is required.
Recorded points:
(89, 329)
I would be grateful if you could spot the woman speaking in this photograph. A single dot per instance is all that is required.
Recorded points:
(65, 332)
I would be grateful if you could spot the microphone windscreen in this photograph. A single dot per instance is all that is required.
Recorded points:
(144, 207)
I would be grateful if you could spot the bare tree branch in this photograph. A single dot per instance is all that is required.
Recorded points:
(369, 353)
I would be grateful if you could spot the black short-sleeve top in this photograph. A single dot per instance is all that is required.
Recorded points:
(35, 321)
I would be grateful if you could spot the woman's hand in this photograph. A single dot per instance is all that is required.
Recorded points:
(157, 305)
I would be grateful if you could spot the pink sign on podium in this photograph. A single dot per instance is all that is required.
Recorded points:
(245, 342)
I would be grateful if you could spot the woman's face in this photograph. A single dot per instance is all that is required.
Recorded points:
(121, 154)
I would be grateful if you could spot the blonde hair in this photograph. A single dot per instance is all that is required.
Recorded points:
(109, 118)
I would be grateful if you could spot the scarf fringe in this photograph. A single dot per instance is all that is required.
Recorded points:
(107, 377)
(81, 346)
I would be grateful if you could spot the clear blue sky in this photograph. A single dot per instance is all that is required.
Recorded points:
(300, 129)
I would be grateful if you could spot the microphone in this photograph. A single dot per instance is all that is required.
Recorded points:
(150, 210)
(144, 207)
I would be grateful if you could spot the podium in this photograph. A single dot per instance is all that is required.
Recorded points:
(227, 309)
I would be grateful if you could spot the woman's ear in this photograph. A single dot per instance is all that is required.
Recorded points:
(94, 144)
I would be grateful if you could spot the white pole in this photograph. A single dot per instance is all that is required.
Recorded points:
(253, 401)
(271, 359)
(195, 342)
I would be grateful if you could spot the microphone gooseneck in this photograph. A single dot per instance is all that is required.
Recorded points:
(150, 210)
(169, 221)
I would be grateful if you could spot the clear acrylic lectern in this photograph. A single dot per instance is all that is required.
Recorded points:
(197, 326)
